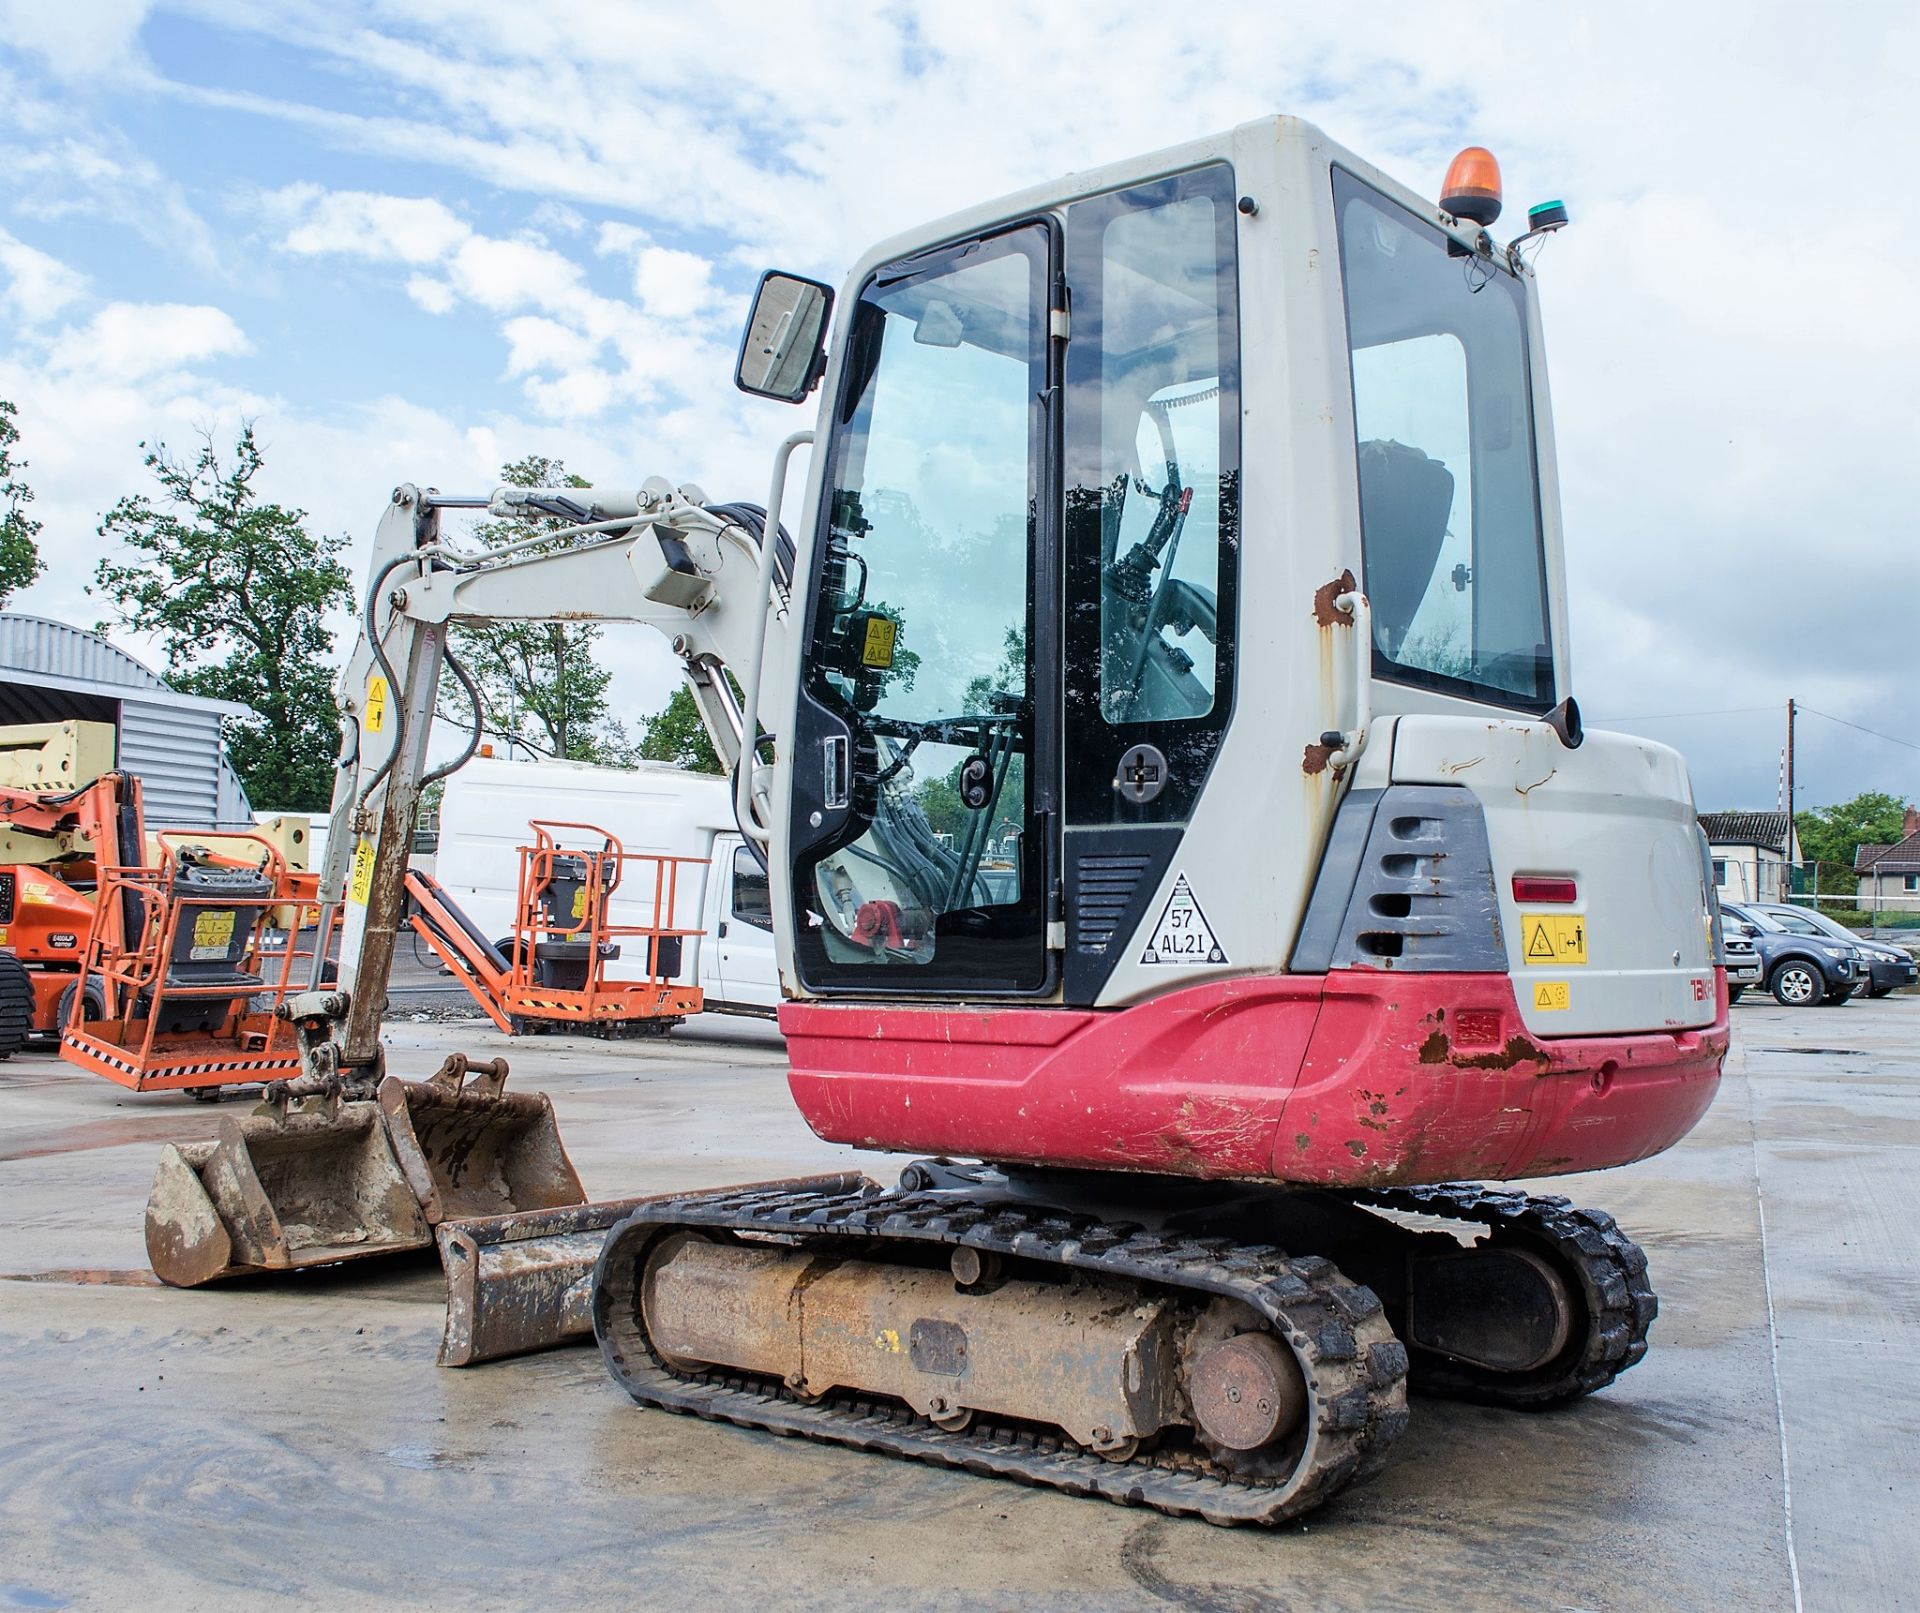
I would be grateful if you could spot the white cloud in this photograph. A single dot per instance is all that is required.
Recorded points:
(128, 341)
(61, 161)
(535, 343)
(576, 352)
(436, 296)
(559, 218)
(38, 286)
(620, 240)
(364, 224)
(670, 283)
(75, 40)
(506, 274)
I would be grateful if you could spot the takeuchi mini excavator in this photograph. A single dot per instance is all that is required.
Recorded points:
(1182, 838)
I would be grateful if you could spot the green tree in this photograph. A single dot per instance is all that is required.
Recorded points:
(677, 735)
(1830, 835)
(20, 560)
(939, 796)
(238, 592)
(539, 681)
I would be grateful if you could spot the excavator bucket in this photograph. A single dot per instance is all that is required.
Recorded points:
(280, 1190)
(519, 1283)
(469, 1149)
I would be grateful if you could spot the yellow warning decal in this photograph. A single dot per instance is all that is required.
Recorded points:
(877, 650)
(1553, 995)
(376, 703)
(580, 903)
(212, 933)
(1557, 939)
(360, 884)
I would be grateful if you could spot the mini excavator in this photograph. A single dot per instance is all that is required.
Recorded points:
(1183, 841)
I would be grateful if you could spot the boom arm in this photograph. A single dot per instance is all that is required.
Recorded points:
(661, 556)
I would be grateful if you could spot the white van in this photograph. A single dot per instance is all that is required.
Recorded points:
(651, 808)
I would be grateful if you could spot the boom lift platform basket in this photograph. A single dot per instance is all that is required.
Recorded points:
(180, 984)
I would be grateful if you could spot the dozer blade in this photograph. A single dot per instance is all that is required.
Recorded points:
(279, 1191)
(520, 1283)
(470, 1149)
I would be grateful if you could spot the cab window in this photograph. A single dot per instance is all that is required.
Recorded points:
(1443, 418)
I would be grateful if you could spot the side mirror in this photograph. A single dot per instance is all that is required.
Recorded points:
(783, 353)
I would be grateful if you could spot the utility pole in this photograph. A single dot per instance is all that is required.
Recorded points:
(1790, 715)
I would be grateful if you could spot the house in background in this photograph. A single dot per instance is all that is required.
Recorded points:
(1751, 855)
(1890, 875)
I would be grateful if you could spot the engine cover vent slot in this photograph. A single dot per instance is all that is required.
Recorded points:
(1380, 903)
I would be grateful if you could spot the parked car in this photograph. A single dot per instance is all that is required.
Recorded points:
(1887, 966)
(1742, 956)
(1801, 970)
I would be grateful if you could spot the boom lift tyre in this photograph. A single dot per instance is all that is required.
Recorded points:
(16, 1004)
(1196, 1032)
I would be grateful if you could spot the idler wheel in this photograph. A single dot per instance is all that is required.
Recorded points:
(1246, 1391)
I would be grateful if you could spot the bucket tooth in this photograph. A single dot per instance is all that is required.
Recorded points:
(187, 1243)
(281, 1191)
(469, 1149)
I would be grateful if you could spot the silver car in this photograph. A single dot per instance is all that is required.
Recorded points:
(1742, 956)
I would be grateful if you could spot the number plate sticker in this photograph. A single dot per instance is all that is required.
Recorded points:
(1552, 995)
(1183, 934)
(1556, 940)
(212, 935)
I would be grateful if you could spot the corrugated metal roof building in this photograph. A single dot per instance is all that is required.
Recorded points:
(50, 672)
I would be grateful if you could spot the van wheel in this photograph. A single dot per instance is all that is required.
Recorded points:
(1797, 984)
(1735, 993)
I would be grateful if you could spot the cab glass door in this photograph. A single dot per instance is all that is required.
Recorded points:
(924, 742)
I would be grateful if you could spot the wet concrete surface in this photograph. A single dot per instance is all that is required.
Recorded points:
(291, 1443)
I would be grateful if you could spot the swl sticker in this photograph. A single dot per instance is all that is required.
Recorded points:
(1183, 934)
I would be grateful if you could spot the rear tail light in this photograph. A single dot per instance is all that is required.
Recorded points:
(1538, 888)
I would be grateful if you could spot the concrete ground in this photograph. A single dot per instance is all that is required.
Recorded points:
(292, 1444)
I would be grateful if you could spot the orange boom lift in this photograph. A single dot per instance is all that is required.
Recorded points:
(551, 973)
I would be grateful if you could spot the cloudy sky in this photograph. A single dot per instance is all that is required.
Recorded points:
(415, 238)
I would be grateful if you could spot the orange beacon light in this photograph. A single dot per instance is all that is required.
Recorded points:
(1472, 189)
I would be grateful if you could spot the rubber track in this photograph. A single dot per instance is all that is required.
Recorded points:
(1355, 1367)
(1611, 1268)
